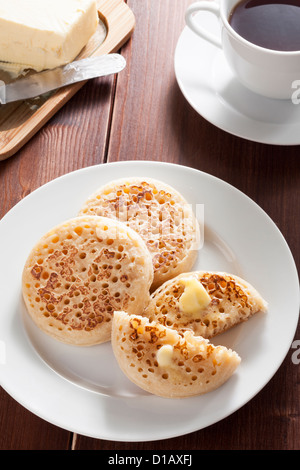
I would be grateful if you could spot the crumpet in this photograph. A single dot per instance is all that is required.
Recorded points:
(208, 303)
(160, 215)
(165, 363)
(80, 272)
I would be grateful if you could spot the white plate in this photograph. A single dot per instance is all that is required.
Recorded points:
(209, 86)
(82, 389)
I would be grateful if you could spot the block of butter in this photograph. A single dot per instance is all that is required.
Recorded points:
(44, 34)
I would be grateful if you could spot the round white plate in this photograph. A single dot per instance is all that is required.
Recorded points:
(82, 389)
(210, 87)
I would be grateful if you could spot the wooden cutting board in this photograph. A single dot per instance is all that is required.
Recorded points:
(19, 121)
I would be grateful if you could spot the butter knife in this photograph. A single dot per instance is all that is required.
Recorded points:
(42, 82)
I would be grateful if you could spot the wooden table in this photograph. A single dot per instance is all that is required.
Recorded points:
(142, 115)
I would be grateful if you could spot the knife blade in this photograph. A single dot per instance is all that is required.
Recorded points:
(48, 80)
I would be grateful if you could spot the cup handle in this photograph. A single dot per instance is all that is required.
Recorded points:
(191, 23)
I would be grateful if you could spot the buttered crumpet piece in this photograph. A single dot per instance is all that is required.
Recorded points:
(80, 272)
(168, 364)
(43, 34)
(208, 303)
(160, 215)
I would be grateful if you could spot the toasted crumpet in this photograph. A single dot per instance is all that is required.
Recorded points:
(231, 300)
(80, 272)
(165, 363)
(160, 215)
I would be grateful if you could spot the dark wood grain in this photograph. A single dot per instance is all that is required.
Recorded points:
(142, 115)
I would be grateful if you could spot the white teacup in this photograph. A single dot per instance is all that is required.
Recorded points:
(267, 72)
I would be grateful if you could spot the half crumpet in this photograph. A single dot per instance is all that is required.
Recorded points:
(208, 303)
(160, 215)
(80, 272)
(163, 362)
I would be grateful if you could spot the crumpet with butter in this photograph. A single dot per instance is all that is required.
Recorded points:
(165, 363)
(82, 270)
(160, 215)
(208, 303)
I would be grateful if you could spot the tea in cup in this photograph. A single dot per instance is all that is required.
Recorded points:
(260, 40)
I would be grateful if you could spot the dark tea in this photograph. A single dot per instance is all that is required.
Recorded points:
(270, 24)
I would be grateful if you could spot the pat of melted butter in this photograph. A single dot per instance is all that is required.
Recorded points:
(194, 298)
(164, 355)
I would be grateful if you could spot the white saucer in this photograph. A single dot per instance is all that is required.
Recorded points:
(209, 86)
